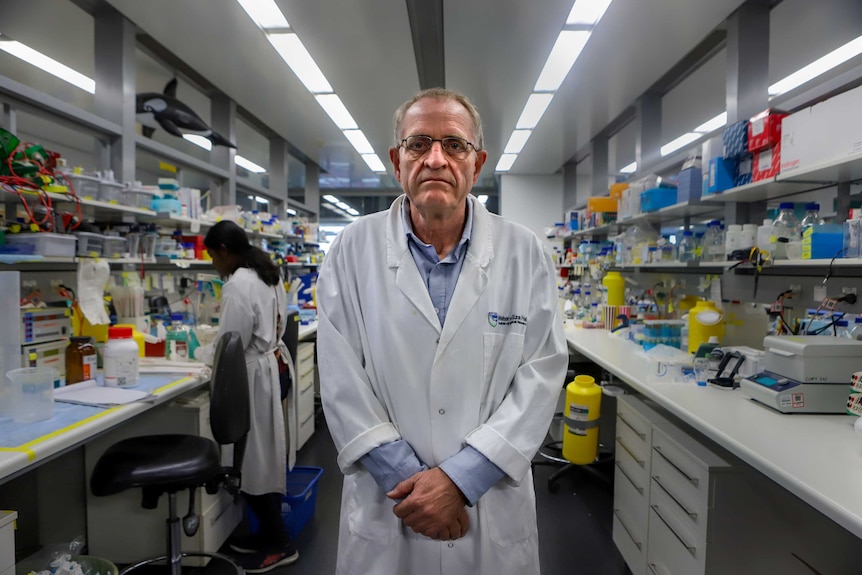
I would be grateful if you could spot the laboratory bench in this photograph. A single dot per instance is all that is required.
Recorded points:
(787, 482)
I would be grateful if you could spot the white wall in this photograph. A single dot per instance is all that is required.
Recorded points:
(533, 201)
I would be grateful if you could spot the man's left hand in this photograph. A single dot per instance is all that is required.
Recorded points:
(433, 505)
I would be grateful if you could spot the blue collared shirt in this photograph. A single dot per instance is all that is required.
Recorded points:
(391, 463)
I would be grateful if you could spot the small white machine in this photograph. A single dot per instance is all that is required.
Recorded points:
(805, 374)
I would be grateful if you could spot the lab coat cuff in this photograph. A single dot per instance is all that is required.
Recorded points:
(490, 443)
(349, 456)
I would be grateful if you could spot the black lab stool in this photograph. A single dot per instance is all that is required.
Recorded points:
(167, 464)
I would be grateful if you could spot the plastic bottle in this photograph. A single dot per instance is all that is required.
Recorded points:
(748, 239)
(713, 243)
(616, 287)
(785, 230)
(120, 358)
(583, 408)
(687, 247)
(81, 360)
(732, 239)
(842, 329)
(180, 342)
(704, 322)
(764, 237)
(856, 332)
(852, 235)
(811, 217)
(256, 221)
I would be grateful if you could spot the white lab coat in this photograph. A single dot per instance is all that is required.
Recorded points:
(248, 306)
(489, 378)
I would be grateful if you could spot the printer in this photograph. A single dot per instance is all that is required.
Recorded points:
(805, 374)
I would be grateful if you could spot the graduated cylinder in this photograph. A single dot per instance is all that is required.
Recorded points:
(583, 407)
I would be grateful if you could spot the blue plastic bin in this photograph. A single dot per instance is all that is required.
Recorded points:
(657, 198)
(298, 504)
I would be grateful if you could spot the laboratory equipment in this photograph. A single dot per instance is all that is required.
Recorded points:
(80, 360)
(616, 286)
(120, 358)
(786, 234)
(44, 325)
(581, 431)
(805, 374)
(704, 321)
(32, 393)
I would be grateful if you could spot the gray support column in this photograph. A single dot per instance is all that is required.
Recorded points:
(223, 121)
(9, 119)
(115, 89)
(843, 207)
(312, 189)
(747, 84)
(599, 159)
(648, 127)
(570, 185)
(278, 172)
(747, 61)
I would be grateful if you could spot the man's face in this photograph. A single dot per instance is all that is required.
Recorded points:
(437, 182)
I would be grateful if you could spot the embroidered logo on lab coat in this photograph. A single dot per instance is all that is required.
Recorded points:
(495, 319)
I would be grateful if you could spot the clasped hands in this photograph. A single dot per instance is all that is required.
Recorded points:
(432, 505)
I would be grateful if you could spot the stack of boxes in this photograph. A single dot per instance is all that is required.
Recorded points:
(723, 170)
(764, 141)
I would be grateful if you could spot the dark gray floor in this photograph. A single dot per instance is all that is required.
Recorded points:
(574, 522)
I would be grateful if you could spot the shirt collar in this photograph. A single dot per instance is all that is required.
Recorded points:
(408, 226)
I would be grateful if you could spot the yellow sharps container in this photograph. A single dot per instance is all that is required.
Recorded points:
(583, 407)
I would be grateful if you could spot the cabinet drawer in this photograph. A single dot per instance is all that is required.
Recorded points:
(632, 507)
(304, 353)
(632, 444)
(305, 405)
(633, 420)
(633, 472)
(633, 553)
(306, 429)
(678, 501)
(306, 379)
(682, 470)
(671, 549)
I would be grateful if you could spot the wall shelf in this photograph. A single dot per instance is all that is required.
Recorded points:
(847, 169)
(179, 157)
(769, 189)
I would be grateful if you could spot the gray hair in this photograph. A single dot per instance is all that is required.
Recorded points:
(441, 94)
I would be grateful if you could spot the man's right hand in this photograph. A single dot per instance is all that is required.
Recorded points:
(431, 505)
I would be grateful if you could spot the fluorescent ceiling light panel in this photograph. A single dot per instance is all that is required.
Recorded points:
(331, 199)
(533, 111)
(290, 212)
(630, 169)
(588, 12)
(291, 49)
(265, 13)
(505, 162)
(713, 124)
(566, 50)
(517, 141)
(374, 162)
(352, 211)
(198, 141)
(261, 200)
(359, 141)
(335, 109)
(47, 64)
(820, 66)
(343, 205)
(483, 198)
(680, 142)
(249, 165)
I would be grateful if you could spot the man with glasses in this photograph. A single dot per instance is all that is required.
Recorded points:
(441, 357)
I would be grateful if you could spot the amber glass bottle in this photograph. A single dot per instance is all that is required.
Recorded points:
(80, 360)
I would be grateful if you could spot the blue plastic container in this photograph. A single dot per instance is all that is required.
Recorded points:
(657, 198)
(298, 504)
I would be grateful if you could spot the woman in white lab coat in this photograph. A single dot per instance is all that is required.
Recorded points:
(488, 378)
(253, 302)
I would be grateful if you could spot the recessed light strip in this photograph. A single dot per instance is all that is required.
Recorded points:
(47, 64)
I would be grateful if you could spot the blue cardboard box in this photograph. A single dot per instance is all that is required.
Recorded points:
(744, 170)
(735, 140)
(689, 185)
(722, 174)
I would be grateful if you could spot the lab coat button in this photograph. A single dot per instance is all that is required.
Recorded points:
(442, 411)
(451, 545)
(438, 340)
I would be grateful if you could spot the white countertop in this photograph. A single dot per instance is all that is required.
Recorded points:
(306, 331)
(42, 441)
(816, 457)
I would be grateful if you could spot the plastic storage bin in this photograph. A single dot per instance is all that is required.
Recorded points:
(86, 187)
(111, 192)
(298, 504)
(45, 244)
(113, 247)
(140, 198)
(657, 198)
(90, 244)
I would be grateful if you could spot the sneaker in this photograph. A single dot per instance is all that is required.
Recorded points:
(244, 544)
(263, 562)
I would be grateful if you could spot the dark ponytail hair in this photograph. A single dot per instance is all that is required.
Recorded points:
(228, 234)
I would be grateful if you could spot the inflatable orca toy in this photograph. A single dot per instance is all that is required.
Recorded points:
(173, 116)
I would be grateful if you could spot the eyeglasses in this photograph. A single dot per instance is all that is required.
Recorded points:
(453, 146)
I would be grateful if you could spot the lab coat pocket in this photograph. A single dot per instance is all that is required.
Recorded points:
(509, 513)
(502, 356)
(370, 513)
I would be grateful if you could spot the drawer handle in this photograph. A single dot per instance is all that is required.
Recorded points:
(675, 500)
(626, 475)
(693, 480)
(632, 455)
(627, 530)
(688, 547)
(632, 427)
(307, 419)
(653, 568)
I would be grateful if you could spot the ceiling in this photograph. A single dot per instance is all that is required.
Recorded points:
(492, 50)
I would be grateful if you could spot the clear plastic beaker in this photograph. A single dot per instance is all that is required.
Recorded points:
(32, 393)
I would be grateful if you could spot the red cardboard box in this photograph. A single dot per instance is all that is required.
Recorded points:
(766, 163)
(764, 130)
